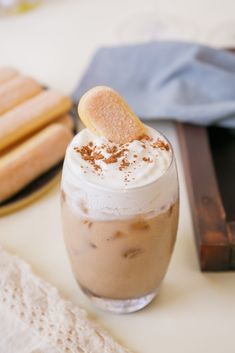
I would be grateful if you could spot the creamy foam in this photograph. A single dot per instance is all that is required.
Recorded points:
(129, 184)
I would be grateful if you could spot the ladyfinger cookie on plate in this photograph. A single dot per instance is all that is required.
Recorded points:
(31, 115)
(6, 73)
(16, 91)
(66, 120)
(105, 112)
(32, 158)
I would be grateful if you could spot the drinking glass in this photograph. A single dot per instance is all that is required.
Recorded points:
(120, 241)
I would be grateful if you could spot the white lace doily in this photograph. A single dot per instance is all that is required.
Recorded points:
(35, 319)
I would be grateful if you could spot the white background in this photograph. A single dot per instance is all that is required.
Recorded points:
(195, 312)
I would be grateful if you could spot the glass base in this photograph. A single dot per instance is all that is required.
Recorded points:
(120, 306)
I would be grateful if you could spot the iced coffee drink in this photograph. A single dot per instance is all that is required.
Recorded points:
(120, 216)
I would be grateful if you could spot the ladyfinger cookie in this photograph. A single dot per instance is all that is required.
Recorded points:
(105, 112)
(32, 158)
(66, 120)
(6, 73)
(31, 115)
(16, 91)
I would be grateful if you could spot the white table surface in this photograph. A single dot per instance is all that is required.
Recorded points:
(194, 312)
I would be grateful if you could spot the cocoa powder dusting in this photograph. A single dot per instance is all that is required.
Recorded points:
(97, 155)
(161, 144)
(112, 149)
(124, 163)
(145, 137)
(111, 159)
(147, 159)
(117, 154)
(121, 152)
(88, 158)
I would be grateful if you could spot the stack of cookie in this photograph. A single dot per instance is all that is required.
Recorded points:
(35, 128)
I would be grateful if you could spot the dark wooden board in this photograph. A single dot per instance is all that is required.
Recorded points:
(208, 157)
(222, 144)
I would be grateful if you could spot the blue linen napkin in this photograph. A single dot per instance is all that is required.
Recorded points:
(168, 80)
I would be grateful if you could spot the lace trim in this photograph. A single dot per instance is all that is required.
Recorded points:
(38, 304)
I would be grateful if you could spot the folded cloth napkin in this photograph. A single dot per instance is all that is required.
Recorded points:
(34, 318)
(168, 80)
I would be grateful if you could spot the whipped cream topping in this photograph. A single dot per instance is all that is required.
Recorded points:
(134, 164)
(110, 180)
